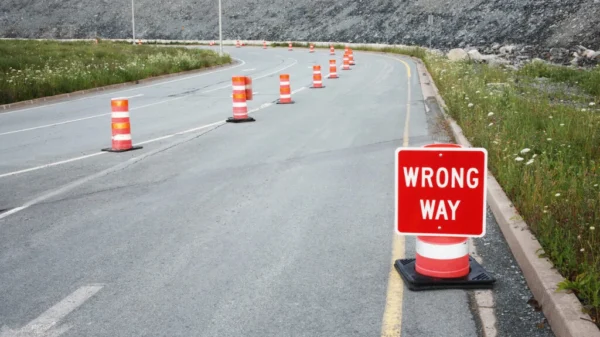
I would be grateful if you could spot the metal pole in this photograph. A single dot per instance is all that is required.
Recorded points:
(220, 31)
(133, 20)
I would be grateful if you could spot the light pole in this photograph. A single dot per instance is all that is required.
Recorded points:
(133, 20)
(220, 32)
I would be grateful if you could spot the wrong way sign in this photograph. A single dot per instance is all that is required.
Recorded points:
(441, 191)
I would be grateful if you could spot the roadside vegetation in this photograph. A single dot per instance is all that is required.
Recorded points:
(541, 127)
(31, 69)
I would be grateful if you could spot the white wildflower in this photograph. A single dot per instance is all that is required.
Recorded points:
(470, 105)
(525, 150)
(490, 124)
(592, 103)
(519, 159)
(529, 162)
(557, 195)
(490, 114)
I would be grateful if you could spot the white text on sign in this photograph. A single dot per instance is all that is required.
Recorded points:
(426, 177)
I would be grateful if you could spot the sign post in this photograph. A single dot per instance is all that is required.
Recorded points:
(441, 199)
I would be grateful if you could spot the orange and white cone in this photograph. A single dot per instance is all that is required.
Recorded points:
(351, 57)
(332, 69)
(264, 44)
(240, 107)
(312, 48)
(331, 50)
(346, 49)
(237, 43)
(317, 79)
(346, 64)
(139, 42)
(290, 46)
(121, 126)
(285, 90)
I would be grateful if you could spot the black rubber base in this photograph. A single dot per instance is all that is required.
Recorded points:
(292, 102)
(478, 278)
(311, 87)
(131, 149)
(240, 120)
(333, 78)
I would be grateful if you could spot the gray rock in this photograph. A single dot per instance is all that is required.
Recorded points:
(507, 49)
(457, 54)
(576, 61)
(588, 53)
(595, 56)
(475, 55)
(497, 61)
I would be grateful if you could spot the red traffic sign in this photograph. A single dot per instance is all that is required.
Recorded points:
(441, 191)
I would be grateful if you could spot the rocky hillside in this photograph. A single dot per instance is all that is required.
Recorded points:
(456, 23)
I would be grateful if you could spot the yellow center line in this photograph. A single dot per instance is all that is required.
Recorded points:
(392, 315)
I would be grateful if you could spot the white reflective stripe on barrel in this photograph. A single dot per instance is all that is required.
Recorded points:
(442, 252)
(119, 114)
(122, 137)
(239, 104)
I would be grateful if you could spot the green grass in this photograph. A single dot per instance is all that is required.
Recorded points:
(588, 81)
(33, 69)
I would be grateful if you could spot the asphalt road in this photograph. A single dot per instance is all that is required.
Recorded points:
(281, 227)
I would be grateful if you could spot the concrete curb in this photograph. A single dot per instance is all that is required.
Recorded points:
(31, 102)
(562, 309)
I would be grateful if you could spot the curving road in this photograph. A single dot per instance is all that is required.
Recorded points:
(282, 227)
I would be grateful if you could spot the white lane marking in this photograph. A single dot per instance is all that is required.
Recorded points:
(200, 128)
(46, 166)
(89, 178)
(134, 96)
(256, 78)
(249, 69)
(155, 139)
(12, 211)
(156, 103)
(46, 324)
(126, 90)
(102, 152)
(85, 118)
(140, 107)
(298, 90)
(50, 125)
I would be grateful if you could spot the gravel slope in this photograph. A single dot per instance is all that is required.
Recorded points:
(543, 23)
